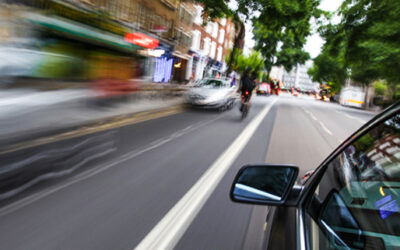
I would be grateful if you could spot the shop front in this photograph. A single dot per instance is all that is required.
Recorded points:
(180, 65)
(160, 67)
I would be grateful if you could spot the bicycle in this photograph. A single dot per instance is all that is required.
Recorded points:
(245, 104)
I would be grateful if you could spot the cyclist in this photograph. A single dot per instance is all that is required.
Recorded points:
(247, 85)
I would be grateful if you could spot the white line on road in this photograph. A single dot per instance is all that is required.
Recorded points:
(325, 128)
(320, 123)
(168, 231)
(91, 172)
(351, 117)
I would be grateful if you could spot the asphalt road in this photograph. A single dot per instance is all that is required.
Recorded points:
(144, 171)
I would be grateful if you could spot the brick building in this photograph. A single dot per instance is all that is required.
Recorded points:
(210, 44)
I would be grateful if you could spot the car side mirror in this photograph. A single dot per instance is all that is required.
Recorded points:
(264, 184)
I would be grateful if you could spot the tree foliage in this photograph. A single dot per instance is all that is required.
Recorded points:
(254, 61)
(285, 23)
(366, 44)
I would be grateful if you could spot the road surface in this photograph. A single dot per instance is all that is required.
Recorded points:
(172, 172)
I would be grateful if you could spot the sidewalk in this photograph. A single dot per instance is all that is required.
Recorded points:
(28, 114)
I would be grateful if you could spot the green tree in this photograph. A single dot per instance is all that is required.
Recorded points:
(380, 87)
(285, 23)
(254, 61)
(275, 22)
(366, 44)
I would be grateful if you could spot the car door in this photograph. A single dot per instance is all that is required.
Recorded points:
(353, 199)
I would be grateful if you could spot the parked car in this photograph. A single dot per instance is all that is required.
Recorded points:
(351, 201)
(212, 93)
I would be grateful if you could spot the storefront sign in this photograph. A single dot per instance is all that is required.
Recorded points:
(141, 40)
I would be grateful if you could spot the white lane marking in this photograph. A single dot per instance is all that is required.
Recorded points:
(310, 114)
(351, 117)
(320, 123)
(325, 128)
(313, 116)
(168, 231)
(89, 173)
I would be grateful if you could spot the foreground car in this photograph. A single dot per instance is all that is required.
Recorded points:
(351, 201)
(212, 94)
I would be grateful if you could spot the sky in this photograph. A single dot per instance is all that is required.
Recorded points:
(314, 42)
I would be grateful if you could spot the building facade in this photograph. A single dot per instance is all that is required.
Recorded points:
(298, 78)
(157, 40)
(210, 44)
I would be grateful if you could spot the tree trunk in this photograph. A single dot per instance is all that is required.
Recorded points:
(366, 96)
(269, 74)
(237, 44)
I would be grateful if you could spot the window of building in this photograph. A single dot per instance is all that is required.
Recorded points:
(221, 36)
(206, 47)
(189, 18)
(219, 54)
(223, 21)
(182, 13)
(198, 19)
(213, 49)
(143, 16)
(179, 36)
(196, 40)
(187, 40)
(209, 28)
(214, 29)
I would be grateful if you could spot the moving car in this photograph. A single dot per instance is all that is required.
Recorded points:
(351, 201)
(212, 93)
(263, 89)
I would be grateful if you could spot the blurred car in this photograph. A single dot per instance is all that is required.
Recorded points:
(351, 201)
(212, 93)
(263, 89)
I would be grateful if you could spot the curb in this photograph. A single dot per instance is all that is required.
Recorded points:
(47, 137)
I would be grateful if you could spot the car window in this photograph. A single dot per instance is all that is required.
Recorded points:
(356, 204)
(211, 83)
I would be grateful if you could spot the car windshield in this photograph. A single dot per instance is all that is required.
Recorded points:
(210, 83)
(122, 122)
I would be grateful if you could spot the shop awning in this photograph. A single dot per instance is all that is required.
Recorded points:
(82, 32)
(180, 55)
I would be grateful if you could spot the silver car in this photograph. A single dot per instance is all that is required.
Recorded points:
(212, 94)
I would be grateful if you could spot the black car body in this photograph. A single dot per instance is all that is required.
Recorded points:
(351, 201)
